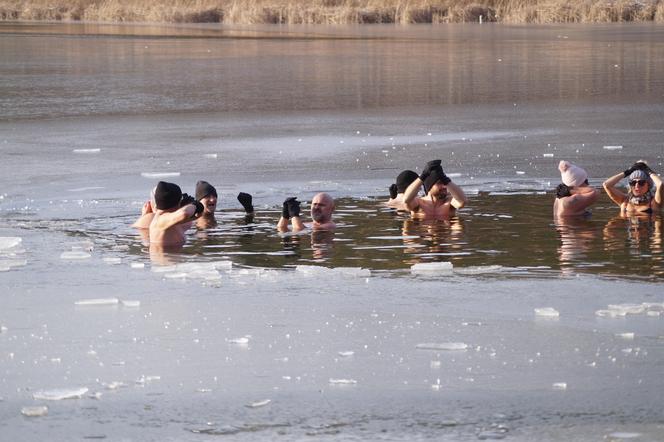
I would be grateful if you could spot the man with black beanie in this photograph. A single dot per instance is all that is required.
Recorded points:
(443, 197)
(172, 215)
(397, 189)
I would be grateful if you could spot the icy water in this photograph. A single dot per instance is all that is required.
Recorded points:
(538, 330)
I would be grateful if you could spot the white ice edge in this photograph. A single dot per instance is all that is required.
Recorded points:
(35, 411)
(98, 301)
(257, 404)
(9, 242)
(60, 394)
(547, 312)
(160, 174)
(447, 346)
(334, 381)
(93, 150)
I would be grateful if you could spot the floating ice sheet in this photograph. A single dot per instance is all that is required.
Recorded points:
(446, 346)
(431, 268)
(160, 174)
(59, 394)
(131, 304)
(621, 310)
(75, 255)
(559, 386)
(342, 381)
(547, 312)
(613, 147)
(98, 301)
(9, 242)
(346, 354)
(93, 150)
(35, 411)
(258, 404)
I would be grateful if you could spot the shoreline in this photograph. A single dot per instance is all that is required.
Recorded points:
(326, 12)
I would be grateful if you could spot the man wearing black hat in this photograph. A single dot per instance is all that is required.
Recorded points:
(443, 197)
(397, 190)
(206, 194)
(172, 215)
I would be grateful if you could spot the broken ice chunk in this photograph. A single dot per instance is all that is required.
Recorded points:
(59, 394)
(425, 268)
(240, 341)
(626, 335)
(547, 312)
(343, 381)
(98, 301)
(258, 404)
(137, 265)
(346, 354)
(613, 147)
(36, 411)
(559, 386)
(74, 254)
(132, 304)
(446, 346)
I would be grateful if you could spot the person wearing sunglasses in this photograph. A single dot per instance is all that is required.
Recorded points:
(644, 195)
(573, 195)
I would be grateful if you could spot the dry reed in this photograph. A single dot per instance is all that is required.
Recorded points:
(334, 11)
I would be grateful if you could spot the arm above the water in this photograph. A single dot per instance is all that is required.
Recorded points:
(410, 195)
(180, 216)
(458, 197)
(143, 222)
(616, 195)
(580, 198)
(657, 181)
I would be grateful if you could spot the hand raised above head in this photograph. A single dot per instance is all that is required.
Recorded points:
(284, 207)
(293, 208)
(430, 167)
(246, 200)
(562, 191)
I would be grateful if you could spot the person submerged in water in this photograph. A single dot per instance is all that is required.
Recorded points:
(573, 195)
(173, 215)
(322, 207)
(443, 197)
(397, 190)
(644, 195)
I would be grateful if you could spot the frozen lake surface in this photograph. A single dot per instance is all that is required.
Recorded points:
(536, 331)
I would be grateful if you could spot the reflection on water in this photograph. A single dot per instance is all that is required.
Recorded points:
(512, 234)
(86, 69)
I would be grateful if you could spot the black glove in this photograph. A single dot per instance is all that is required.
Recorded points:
(431, 165)
(393, 191)
(640, 165)
(563, 190)
(439, 175)
(187, 199)
(199, 208)
(293, 208)
(245, 200)
(284, 208)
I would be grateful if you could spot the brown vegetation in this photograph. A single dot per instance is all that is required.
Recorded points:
(334, 11)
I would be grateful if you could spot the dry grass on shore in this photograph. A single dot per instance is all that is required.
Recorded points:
(334, 11)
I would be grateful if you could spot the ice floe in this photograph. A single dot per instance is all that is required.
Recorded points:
(93, 150)
(258, 404)
(431, 268)
(59, 394)
(75, 255)
(160, 174)
(309, 270)
(346, 354)
(334, 381)
(613, 147)
(35, 411)
(626, 335)
(624, 435)
(9, 242)
(98, 301)
(547, 312)
(447, 346)
(137, 265)
(559, 386)
(621, 310)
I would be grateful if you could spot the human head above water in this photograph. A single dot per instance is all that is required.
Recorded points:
(404, 179)
(207, 195)
(571, 174)
(322, 206)
(639, 176)
(167, 195)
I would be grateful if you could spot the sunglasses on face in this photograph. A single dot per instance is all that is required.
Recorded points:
(639, 182)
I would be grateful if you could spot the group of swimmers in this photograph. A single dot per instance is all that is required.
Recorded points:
(169, 213)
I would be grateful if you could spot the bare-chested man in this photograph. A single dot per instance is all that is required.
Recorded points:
(397, 190)
(574, 195)
(173, 215)
(443, 197)
(322, 206)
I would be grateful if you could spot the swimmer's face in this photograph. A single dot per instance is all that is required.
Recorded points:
(210, 204)
(321, 208)
(639, 187)
(438, 190)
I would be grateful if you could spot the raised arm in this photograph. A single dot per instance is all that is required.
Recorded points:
(616, 195)
(458, 197)
(410, 195)
(657, 181)
(182, 215)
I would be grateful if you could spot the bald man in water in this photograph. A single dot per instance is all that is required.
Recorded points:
(322, 207)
